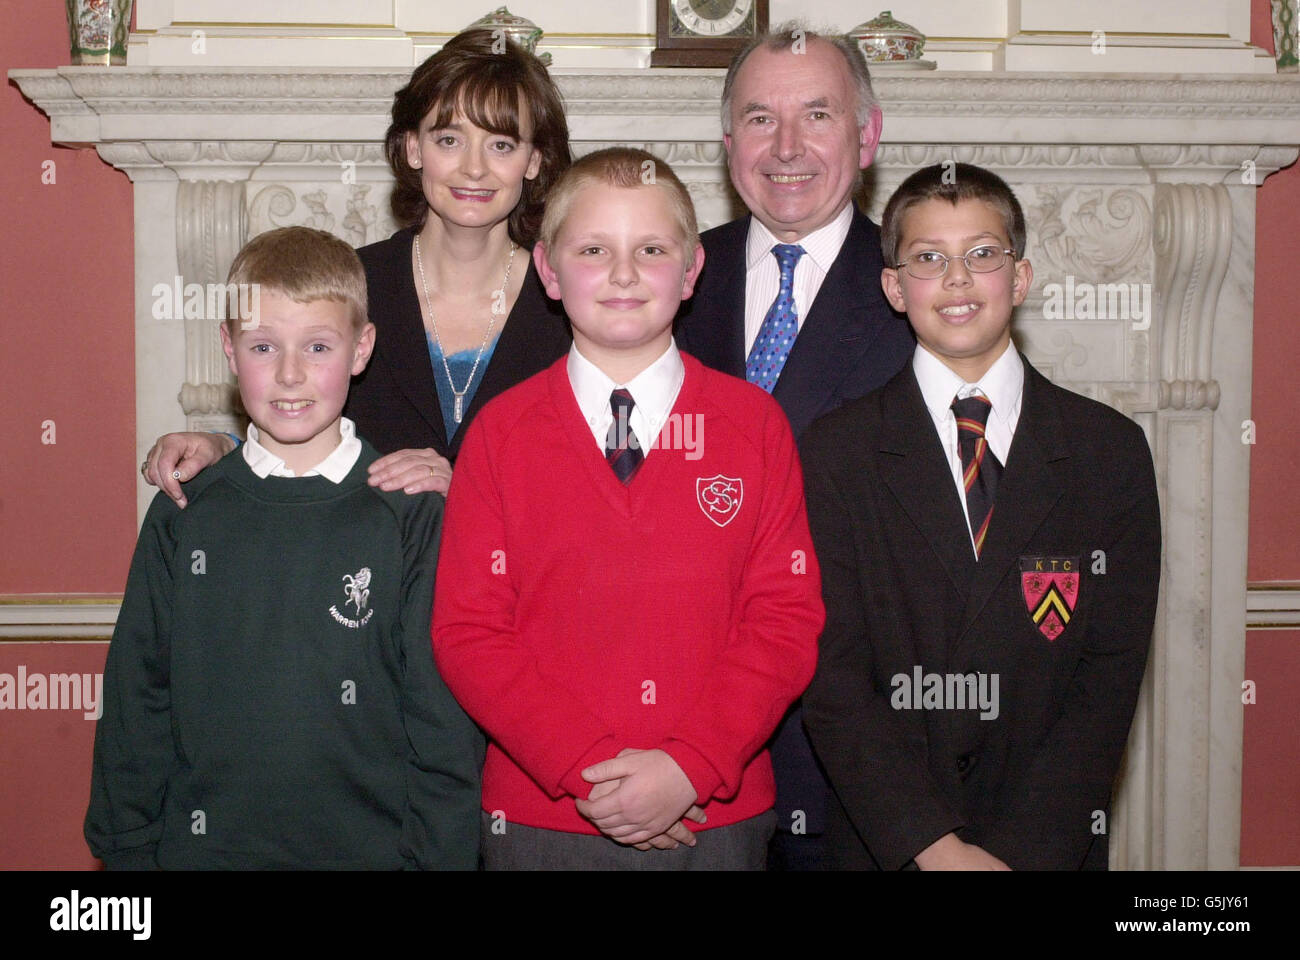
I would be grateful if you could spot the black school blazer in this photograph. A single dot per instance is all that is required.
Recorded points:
(903, 590)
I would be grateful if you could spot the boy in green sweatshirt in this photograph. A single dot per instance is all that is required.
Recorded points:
(270, 697)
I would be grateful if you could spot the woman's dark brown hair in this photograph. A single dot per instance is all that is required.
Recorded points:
(489, 80)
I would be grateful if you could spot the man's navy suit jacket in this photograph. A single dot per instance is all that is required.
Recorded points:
(850, 343)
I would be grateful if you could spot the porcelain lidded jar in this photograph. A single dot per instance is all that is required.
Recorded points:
(886, 40)
(519, 29)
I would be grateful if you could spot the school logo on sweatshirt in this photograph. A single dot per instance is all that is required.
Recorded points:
(1050, 586)
(719, 497)
(356, 588)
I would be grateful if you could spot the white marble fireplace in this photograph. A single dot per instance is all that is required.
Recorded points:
(1143, 179)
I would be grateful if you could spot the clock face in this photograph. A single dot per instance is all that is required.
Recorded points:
(712, 18)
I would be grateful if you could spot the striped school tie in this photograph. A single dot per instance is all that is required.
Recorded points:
(979, 467)
(622, 449)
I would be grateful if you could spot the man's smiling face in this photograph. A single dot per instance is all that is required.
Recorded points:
(795, 147)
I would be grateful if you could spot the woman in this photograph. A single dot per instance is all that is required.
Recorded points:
(477, 139)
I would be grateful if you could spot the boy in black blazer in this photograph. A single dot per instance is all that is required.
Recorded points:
(990, 551)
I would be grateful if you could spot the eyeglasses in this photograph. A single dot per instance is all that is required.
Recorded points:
(931, 264)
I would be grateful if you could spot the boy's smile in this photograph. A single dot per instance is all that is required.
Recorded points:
(294, 369)
(962, 317)
(620, 265)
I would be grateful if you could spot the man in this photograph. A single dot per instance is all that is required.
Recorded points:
(790, 296)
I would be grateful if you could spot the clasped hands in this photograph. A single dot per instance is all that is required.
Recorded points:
(641, 798)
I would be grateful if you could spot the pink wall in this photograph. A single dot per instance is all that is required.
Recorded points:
(45, 756)
(1270, 779)
(1274, 516)
(67, 510)
(1270, 774)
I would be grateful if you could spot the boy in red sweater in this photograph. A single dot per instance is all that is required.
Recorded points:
(636, 598)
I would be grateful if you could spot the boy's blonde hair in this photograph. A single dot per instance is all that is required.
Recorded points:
(619, 167)
(302, 264)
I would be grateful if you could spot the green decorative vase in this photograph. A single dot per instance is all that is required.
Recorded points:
(97, 31)
(1284, 35)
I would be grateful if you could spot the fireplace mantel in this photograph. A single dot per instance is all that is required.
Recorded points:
(1141, 179)
(93, 105)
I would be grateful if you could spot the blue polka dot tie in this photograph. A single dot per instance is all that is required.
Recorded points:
(780, 326)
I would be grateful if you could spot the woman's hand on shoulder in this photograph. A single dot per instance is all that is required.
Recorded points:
(411, 471)
(177, 457)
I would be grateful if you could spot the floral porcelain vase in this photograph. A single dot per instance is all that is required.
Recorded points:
(97, 31)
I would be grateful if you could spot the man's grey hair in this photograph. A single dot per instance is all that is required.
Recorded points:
(783, 37)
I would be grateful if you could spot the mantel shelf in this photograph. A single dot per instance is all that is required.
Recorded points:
(93, 105)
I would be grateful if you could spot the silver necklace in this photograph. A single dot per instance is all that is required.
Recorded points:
(498, 307)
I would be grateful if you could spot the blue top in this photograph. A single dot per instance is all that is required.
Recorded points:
(460, 365)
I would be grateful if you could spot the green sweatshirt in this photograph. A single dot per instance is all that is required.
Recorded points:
(270, 697)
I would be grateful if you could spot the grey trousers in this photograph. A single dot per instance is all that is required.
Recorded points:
(738, 846)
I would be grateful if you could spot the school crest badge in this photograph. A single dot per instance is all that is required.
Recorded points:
(356, 590)
(1050, 587)
(719, 497)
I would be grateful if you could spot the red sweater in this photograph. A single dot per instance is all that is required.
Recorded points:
(575, 617)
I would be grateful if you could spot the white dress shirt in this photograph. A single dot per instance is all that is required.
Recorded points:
(763, 273)
(333, 468)
(1003, 385)
(654, 391)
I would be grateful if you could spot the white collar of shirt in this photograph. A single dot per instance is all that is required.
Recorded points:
(654, 391)
(333, 468)
(1003, 384)
(763, 273)
(822, 245)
